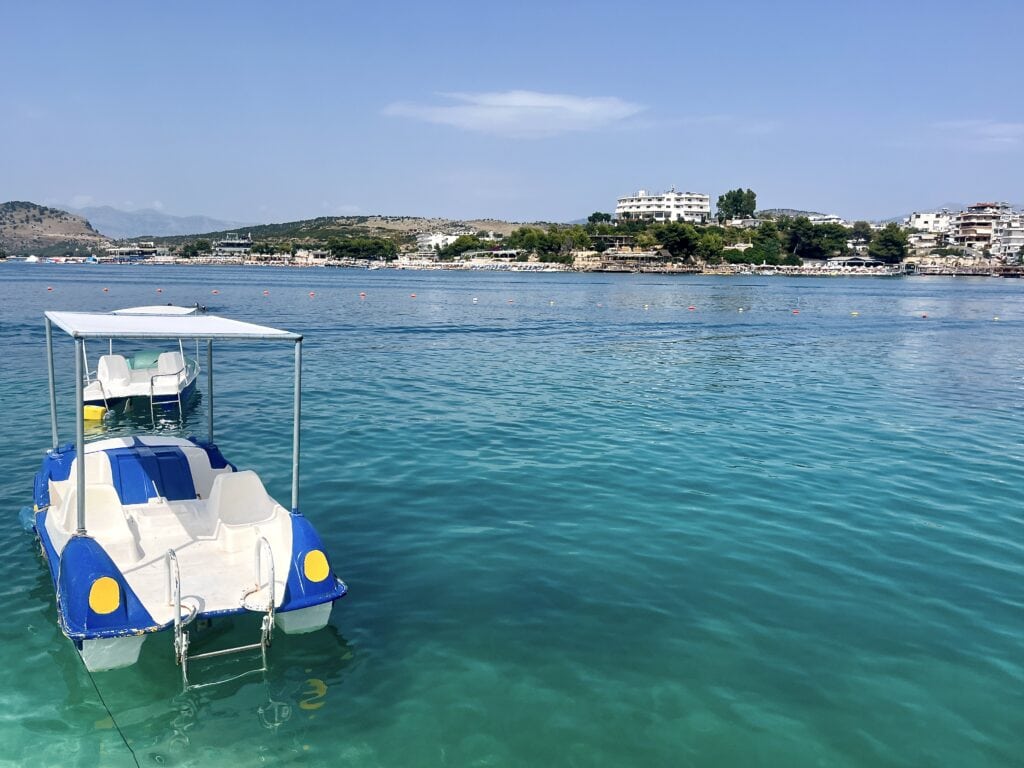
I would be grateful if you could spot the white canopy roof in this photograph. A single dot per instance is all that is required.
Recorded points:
(157, 309)
(90, 325)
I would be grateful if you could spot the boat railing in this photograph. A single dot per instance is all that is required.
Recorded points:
(174, 600)
(103, 394)
(263, 545)
(152, 392)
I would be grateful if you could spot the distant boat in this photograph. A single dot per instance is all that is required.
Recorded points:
(164, 378)
(33, 259)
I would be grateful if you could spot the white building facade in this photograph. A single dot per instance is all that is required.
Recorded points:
(1008, 237)
(828, 218)
(692, 207)
(930, 221)
(434, 241)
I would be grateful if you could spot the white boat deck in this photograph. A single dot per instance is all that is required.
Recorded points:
(214, 536)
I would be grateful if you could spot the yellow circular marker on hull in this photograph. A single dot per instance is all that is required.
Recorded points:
(104, 595)
(94, 412)
(315, 566)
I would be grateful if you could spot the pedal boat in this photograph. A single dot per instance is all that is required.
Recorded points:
(149, 533)
(165, 379)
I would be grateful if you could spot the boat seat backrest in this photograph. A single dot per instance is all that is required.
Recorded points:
(169, 362)
(97, 471)
(239, 499)
(104, 517)
(113, 369)
(203, 474)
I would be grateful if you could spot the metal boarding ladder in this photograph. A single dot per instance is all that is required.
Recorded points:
(181, 637)
(152, 394)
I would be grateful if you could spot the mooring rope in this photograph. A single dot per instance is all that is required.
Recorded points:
(109, 713)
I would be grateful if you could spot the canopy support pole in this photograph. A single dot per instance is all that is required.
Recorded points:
(79, 437)
(296, 420)
(53, 389)
(209, 389)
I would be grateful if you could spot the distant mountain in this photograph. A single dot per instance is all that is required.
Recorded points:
(28, 228)
(119, 224)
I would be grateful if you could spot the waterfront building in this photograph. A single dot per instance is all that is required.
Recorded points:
(693, 207)
(233, 246)
(930, 221)
(920, 243)
(1008, 237)
(973, 228)
(434, 241)
(138, 251)
(311, 257)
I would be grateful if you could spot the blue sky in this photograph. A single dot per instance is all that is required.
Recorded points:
(523, 111)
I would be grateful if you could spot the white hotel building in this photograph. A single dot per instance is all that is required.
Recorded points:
(434, 241)
(664, 206)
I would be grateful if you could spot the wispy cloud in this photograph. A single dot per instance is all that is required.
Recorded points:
(984, 135)
(520, 114)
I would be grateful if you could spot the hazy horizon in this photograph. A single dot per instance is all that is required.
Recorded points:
(525, 113)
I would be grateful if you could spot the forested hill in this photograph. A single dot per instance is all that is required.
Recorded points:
(27, 228)
(327, 227)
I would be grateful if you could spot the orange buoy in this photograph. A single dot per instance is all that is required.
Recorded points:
(796, 311)
(312, 294)
(214, 291)
(266, 293)
(691, 307)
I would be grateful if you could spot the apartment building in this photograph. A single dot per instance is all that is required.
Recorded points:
(692, 207)
(1008, 237)
(930, 221)
(974, 227)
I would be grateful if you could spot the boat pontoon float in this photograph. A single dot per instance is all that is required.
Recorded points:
(148, 533)
(165, 378)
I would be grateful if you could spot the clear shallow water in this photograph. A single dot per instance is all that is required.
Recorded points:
(586, 527)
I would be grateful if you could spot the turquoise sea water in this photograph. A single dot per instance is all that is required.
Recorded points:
(581, 524)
